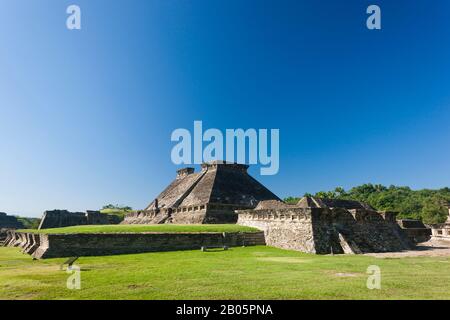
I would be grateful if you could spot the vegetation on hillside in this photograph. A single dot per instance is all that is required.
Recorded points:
(426, 204)
(117, 207)
(29, 223)
(118, 210)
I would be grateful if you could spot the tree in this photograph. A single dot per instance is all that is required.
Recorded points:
(425, 204)
(433, 213)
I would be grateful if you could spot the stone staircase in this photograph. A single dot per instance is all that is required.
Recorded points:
(254, 239)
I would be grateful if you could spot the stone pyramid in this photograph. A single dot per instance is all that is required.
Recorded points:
(209, 196)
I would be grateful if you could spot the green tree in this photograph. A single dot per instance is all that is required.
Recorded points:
(425, 204)
(433, 213)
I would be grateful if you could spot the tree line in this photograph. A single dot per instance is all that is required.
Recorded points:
(427, 205)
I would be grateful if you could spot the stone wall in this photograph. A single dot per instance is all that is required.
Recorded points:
(196, 214)
(98, 218)
(61, 218)
(9, 222)
(283, 229)
(28, 242)
(64, 218)
(415, 230)
(442, 231)
(42, 246)
(325, 230)
(3, 235)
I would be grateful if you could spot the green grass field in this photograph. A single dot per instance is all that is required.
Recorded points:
(123, 228)
(239, 273)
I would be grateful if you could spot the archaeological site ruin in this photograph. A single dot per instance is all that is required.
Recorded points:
(9, 222)
(442, 231)
(222, 193)
(63, 218)
(325, 226)
(209, 196)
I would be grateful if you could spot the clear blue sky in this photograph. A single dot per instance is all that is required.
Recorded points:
(86, 116)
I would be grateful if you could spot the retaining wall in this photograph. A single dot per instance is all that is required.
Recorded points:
(324, 231)
(42, 246)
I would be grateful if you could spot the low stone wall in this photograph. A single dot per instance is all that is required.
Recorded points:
(415, 230)
(61, 218)
(324, 230)
(9, 222)
(42, 246)
(441, 231)
(205, 214)
(64, 218)
(28, 242)
(3, 235)
(418, 235)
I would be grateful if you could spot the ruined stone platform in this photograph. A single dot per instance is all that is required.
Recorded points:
(9, 222)
(43, 246)
(324, 226)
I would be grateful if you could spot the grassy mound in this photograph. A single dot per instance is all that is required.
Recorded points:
(124, 228)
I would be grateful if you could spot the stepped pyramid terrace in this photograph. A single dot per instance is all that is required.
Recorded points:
(209, 196)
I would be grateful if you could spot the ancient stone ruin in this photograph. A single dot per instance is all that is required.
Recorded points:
(9, 222)
(226, 193)
(442, 231)
(209, 196)
(64, 218)
(43, 246)
(415, 230)
(325, 226)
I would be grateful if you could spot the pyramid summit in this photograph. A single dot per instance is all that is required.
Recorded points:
(209, 196)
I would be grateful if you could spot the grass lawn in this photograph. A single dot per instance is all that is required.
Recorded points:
(239, 273)
(118, 228)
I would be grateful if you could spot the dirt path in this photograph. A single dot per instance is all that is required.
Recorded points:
(430, 248)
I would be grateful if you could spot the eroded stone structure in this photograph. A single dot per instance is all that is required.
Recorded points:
(42, 246)
(9, 222)
(209, 196)
(64, 218)
(415, 230)
(326, 226)
(226, 193)
(442, 231)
